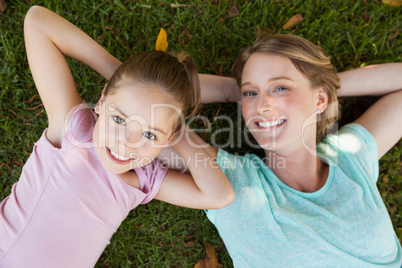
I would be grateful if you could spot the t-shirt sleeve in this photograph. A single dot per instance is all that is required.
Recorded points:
(360, 148)
(151, 177)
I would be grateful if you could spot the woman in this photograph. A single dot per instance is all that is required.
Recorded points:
(320, 206)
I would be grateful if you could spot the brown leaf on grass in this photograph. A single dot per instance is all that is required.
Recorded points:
(392, 3)
(2, 6)
(187, 32)
(31, 99)
(179, 5)
(211, 260)
(18, 163)
(393, 210)
(233, 11)
(34, 108)
(292, 22)
(190, 244)
(394, 36)
(384, 179)
(39, 112)
(4, 164)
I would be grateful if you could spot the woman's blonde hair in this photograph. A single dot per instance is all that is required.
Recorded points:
(174, 74)
(309, 59)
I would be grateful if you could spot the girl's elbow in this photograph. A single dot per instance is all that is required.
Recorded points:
(33, 17)
(226, 199)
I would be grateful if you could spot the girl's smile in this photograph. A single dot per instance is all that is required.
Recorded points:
(130, 131)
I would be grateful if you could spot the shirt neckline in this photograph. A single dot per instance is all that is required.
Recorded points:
(281, 184)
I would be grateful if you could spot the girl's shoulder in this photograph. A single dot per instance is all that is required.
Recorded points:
(77, 128)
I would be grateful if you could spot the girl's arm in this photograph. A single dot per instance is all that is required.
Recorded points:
(48, 38)
(207, 187)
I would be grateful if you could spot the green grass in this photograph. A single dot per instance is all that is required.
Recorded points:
(355, 33)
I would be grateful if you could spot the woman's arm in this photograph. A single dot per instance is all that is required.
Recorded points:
(207, 187)
(216, 88)
(48, 38)
(383, 118)
(372, 80)
(384, 121)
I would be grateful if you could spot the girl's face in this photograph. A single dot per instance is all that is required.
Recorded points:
(134, 124)
(278, 103)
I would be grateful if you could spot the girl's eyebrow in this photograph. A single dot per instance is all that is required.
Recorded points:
(126, 116)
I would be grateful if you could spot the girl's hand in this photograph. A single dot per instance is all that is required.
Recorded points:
(48, 39)
(206, 187)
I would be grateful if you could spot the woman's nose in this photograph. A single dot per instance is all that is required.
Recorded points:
(264, 104)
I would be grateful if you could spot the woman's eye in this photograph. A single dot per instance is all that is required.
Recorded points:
(279, 89)
(149, 135)
(248, 93)
(119, 120)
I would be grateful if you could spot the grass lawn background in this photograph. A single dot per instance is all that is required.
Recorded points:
(355, 33)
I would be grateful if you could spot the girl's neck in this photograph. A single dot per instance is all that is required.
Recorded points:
(299, 169)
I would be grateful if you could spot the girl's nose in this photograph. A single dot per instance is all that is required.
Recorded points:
(132, 139)
(264, 104)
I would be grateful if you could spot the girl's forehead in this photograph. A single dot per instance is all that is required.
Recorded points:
(144, 106)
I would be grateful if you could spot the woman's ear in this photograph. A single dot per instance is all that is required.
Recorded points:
(322, 100)
(100, 101)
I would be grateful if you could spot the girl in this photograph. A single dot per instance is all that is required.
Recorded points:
(87, 172)
(313, 200)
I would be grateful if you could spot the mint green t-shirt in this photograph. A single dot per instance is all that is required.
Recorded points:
(344, 224)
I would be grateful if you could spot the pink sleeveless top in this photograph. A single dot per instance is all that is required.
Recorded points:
(65, 207)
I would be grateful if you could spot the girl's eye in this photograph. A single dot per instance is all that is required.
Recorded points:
(119, 120)
(279, 89)
(149, 135)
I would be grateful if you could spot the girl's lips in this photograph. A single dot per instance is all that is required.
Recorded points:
(115, 160)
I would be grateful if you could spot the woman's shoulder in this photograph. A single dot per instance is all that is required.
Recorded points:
(238, 162)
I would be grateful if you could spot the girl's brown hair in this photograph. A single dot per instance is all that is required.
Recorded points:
(174, 74)
(309, 59)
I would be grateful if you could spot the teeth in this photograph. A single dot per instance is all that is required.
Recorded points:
(119, 157)
(271, 123)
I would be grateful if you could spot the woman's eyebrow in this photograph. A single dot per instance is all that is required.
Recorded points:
(270, 80)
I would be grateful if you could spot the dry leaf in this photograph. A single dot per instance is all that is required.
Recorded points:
(2, 6)
(293, 21)
(34, 108)
(384, 179)
(161, 42)
(394, 36)
(233, 11)
(211, 260)
(392, 3)
(31, 99)
(179, 5)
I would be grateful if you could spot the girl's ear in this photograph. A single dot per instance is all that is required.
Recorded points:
(322, 100)
(100, 101)
(173, 138)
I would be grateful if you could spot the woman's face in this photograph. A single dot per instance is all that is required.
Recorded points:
(278, 103)
(131, 129)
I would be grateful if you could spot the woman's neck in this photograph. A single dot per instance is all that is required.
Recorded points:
(300, 169)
